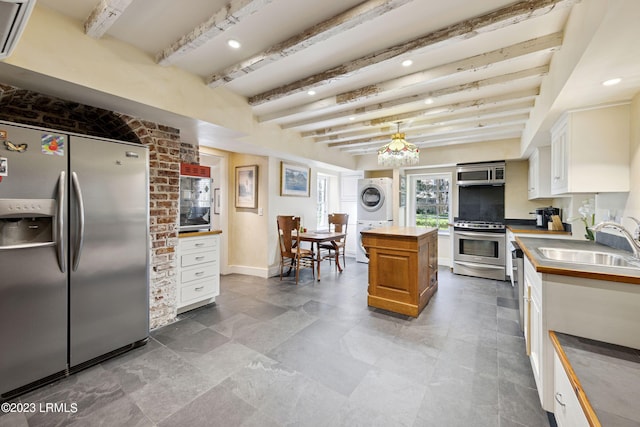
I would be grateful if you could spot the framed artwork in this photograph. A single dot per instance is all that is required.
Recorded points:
(247, 186)
(216, 201)
(294, 180)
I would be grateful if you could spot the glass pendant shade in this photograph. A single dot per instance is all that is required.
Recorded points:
(398, 152)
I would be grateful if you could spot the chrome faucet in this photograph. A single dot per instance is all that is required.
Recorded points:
(636, 233)
(635, 245)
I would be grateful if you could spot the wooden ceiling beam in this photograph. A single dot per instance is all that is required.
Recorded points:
(415, 135)
(453, 119)
(475, 105)
(432, 75)
(218, 23)
(500, 18)
(463, 137)
(335, 25)
(103, 16)
(420, 97)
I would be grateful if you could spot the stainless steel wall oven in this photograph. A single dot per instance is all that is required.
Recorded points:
(479, 249)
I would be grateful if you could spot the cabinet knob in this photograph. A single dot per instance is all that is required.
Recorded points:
(558, 397)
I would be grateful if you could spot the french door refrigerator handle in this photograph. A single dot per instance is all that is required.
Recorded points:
(80, 235)
(60, 223)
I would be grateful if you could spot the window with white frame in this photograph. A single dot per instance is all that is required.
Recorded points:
(322, 216)
(429, 200)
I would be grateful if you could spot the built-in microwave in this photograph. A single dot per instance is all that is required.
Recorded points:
(480, 173)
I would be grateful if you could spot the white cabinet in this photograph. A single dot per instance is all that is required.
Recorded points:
(590, 151)
(198, 270)
(534, 330)
(566, 407)
(540, 173)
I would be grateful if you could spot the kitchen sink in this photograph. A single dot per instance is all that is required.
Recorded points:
(589, 257)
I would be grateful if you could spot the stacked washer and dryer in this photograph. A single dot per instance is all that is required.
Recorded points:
(375, 208)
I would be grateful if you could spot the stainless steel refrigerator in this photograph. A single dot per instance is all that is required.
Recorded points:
(74, 251)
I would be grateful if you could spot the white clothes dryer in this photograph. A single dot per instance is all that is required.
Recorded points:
(361, 254)
(375, 199)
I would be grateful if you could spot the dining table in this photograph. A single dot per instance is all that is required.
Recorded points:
(316, 238)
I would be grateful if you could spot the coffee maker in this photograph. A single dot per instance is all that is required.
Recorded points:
(543, 215)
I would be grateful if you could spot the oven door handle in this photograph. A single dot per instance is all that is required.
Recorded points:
(475, 265)
(478, 234)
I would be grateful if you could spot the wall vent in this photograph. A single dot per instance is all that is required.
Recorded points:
(14, 15)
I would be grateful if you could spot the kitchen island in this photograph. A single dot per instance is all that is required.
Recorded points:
(403, 267)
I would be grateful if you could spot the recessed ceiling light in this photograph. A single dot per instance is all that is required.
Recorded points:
(407, 63)
(311, 92)
(428, 101)
(352, 118)
(611, 82)
(235, 44)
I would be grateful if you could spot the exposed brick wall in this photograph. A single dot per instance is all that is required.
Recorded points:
(166, 151)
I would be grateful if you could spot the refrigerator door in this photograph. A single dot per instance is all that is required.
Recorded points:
(108, 247)
(33, 286)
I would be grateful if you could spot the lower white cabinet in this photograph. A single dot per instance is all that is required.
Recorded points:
(198, 270)
(566, 408)
(534, 328)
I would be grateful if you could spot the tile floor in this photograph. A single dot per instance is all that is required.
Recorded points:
(270, 353)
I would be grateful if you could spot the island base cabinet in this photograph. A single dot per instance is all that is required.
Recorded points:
(402, 271)
(566, 407)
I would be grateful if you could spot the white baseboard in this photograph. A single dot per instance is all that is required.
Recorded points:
(249, 271)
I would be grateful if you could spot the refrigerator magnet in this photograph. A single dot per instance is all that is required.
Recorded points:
(4, 167)
(53, 145)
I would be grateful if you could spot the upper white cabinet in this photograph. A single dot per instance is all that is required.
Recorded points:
(590, 151)
(539, 173)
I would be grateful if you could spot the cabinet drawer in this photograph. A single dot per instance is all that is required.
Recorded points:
(201, 290)
(203, 257)
(187, 244)
(200, 272)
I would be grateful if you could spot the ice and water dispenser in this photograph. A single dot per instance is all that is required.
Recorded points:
(27, 222)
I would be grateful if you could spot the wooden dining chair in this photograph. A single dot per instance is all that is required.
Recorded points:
(337, 222)
(290, 249)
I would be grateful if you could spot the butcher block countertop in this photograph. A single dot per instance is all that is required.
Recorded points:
(400, 231)
(532, 229)
(199, 233)
(530, 246)
(605, 378)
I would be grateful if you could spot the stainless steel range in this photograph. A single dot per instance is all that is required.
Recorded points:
(479, 249)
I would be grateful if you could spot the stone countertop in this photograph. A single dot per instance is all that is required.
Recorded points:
(401, 231)
(199, 233)
(530, 246)
(532, 229)
(607, 374)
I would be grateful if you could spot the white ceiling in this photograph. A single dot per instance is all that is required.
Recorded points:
(489, 100)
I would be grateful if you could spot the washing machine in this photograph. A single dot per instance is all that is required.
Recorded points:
(361, 255)
(375, 199)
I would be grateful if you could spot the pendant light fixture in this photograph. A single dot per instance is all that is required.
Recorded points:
(398, 152)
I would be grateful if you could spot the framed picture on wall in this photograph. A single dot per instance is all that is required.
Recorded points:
(216, 201)
(295, 180)
(247, 186)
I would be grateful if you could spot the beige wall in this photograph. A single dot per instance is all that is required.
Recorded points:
(516, 192)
